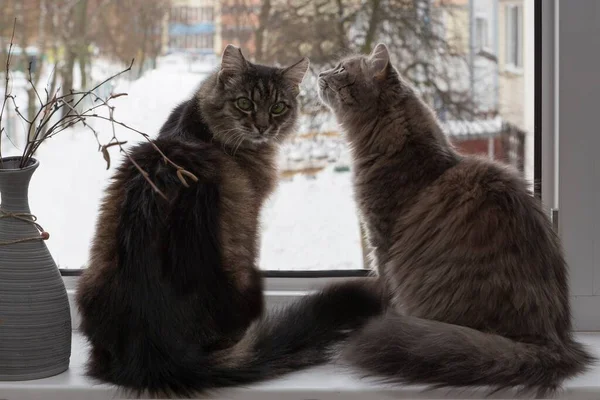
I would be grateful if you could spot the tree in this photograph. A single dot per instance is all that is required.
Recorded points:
(238, 21)
(426, 52)
(29, 19)
(131, 28)
(66, 31)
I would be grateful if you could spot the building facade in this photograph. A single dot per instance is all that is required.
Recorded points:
(483, 54)
(497, 36)
(192, 26)
(516, 54)
(238, 21)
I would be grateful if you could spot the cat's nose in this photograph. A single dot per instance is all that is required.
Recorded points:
(261, 128)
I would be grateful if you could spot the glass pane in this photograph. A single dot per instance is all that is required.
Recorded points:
(460, 54)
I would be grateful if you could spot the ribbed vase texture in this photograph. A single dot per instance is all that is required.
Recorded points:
(35, 320)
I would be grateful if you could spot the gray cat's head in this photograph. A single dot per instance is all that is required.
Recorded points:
(248, 105)
(359, 83)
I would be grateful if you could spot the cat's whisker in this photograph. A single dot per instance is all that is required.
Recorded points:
(231, 137)
(229, 144)
(242, 138)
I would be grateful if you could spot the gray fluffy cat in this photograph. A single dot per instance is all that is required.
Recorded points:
(474, 273)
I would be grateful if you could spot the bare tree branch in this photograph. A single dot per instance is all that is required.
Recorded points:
(54, 103)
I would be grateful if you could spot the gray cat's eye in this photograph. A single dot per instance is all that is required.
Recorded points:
(278, 108)
(244, 104)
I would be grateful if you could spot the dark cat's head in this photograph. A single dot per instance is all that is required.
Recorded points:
(360, 83)
(247, 104)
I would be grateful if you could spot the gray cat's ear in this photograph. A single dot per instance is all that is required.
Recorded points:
(295, 73)
(379, 60)
(232, 62)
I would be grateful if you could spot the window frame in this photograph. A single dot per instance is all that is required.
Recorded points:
(576, 170)
(485, 35)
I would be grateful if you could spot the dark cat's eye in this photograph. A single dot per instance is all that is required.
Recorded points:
(244, 104)
(278, 108)
(340, 70)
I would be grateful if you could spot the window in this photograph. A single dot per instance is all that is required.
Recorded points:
(310, 225)
(481, 33)
(514, 36)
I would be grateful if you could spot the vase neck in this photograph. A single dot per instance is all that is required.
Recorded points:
(14, 188)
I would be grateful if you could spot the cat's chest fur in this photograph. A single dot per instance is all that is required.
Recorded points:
(383, 193)
(246, 182)
(256, 169)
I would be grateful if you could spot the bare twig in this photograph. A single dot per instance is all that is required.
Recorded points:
(111, 111)
(43, 125)
(30, 80)
(110, 78)
(6, 82)
(114, 142)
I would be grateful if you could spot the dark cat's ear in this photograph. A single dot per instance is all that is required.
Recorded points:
(295, 73)
(379, 60)
(232, 62)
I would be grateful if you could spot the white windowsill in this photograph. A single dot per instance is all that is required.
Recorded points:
(323, 383)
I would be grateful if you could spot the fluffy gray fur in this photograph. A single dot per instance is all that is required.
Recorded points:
(475, 275)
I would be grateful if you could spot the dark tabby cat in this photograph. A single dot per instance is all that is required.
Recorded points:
(172, 300)
(472, 267)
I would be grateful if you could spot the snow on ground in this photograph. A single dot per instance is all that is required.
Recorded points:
(307, 224)
(312, 224)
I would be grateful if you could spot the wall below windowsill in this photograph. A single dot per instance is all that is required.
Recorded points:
(323, 383)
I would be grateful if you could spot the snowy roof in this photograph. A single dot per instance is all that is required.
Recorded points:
(461, 128)
(481, 127)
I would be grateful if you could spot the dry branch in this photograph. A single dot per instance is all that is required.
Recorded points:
(59, 111)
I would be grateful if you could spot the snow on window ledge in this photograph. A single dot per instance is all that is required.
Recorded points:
(513, 69)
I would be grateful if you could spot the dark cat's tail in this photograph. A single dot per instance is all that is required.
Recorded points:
(403, 349)
(304, 334)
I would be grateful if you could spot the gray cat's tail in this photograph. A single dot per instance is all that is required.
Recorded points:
(402, 349)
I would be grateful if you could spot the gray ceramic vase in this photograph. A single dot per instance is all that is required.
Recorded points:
(35, 321)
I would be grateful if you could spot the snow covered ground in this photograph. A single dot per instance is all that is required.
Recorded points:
(308, 224)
